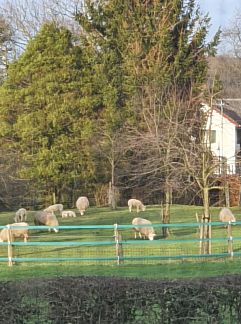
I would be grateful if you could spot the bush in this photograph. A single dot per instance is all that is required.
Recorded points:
(110, 300)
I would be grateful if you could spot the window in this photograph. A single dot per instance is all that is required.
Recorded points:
(209, 136)
(213, 136)
(238, 136)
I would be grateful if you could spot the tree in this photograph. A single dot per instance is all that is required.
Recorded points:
(102, 28)
(26, 17)
(168, 68)
(47, 111)
(153, 55)
(6, 35)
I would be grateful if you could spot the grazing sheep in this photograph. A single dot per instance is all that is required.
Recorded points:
(54, 208)
(46, 218)
(82, 204)
(68, 213)
(136, 203)
(20, 215)
(15, 232)
(146, 232)
(226, 215)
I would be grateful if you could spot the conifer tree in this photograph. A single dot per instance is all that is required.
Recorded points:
(157, 51)
(46, 111)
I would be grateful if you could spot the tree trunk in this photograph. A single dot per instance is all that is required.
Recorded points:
(111, 196)
(54, 197)
(166, 212)
(206, 244)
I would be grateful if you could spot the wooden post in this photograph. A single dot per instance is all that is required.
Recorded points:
(226, 192)
(210, 238)
(118, 246)
(199, 226)
(230, 240)
(10, 247)
(201, 238)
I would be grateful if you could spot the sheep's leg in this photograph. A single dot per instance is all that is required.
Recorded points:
(140, 235)
(130, 209)
(25, 238)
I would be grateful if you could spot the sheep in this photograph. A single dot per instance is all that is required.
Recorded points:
(136, 203)
(20, 215)
(82, 204)
(68, 213)
(146, 232)
(54, 208)
(46, 218)
(14, 232)
(226, 215)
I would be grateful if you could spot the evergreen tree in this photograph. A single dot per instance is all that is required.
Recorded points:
(46, 105)
(156, 52)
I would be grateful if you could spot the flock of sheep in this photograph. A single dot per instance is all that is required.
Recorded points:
(47, 217)
(43, 217)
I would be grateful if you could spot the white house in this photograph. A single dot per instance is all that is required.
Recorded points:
(224, 135)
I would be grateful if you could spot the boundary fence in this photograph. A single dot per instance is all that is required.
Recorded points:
(120, 249)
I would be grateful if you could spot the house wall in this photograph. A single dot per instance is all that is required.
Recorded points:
(226, 139)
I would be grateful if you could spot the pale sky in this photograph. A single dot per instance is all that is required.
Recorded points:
(220, 11)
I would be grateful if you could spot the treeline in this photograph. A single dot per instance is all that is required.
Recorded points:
(110, 110)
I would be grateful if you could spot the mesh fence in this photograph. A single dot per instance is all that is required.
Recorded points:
(95, 244)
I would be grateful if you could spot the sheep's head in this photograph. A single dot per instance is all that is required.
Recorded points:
(143, 208)
(151, 236)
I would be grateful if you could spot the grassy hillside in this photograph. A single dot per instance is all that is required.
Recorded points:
(132, 268)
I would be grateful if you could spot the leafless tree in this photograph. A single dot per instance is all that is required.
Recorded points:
(225, 68)
(110, 150)
(27, 16)
(6, 36)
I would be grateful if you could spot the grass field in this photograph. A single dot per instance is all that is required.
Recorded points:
(183, 237)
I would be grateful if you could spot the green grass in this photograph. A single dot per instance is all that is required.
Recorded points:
(149, 269)
(186, 270)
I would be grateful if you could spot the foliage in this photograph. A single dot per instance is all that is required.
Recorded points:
(111, 300)
(47, 112)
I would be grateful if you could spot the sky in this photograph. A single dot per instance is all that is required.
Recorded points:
(220, 11)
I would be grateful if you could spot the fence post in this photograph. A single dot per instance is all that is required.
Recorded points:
(10, 247)
(230, 240)
(201, 237)
(118, 246)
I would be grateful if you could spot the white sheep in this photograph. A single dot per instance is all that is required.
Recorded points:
(146, 232)
(136, 203)
(46, 218)
(226, 215)
(68, 213)
(82, 204)
(20, 215)
(55, 208)
(15, 232)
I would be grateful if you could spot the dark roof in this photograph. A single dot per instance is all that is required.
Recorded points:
(232, 111)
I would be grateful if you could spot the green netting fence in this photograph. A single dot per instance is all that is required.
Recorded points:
(108, 244)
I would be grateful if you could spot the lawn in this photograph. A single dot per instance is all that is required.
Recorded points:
(182, 243)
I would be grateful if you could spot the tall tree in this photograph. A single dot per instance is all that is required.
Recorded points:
(156, 51)
(46, 111)
(102, 26)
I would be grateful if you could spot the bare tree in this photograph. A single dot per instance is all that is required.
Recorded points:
(226, 67)
(110, 149)
(27, 16)
(156, 162)
(6, 36)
